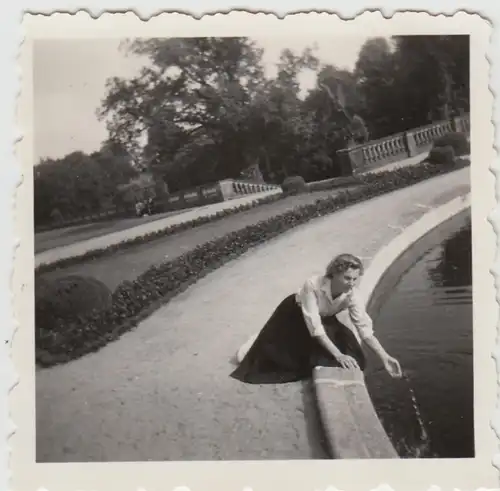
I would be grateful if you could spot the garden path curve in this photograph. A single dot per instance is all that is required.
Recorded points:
(163, 391)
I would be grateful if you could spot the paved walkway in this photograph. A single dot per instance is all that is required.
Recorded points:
(81, 247)
(162, 391)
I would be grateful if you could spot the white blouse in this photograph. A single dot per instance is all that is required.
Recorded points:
(315, 300)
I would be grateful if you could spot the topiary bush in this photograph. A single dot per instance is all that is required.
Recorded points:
(62, 301)
(56, 216)
(294, 185)
(442, 156)
(458, 141)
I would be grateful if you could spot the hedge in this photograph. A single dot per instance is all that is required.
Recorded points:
(173, 229)
(457, 140)
(62, 299)
(442, 155)
(294, 185)
(134, 300)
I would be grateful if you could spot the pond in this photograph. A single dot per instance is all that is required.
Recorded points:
(426, 322)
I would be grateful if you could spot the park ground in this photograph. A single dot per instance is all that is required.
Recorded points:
(129, 263)
(163, 391)
(50, 239)
(131, 227)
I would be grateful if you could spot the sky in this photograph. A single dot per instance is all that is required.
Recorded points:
(69, 78)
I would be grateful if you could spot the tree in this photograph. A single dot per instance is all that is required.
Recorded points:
(208, 112)
(78, 184)
(333, 107)
(207, 108)
(442, 62)
(417, 80)
(376, 74)
(195, 88)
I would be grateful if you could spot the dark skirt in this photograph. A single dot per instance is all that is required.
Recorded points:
(284, 351)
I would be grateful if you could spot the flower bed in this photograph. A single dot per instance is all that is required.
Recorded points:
(133, 301)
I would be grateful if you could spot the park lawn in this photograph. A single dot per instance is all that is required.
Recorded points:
(69, 235)
(129, 263)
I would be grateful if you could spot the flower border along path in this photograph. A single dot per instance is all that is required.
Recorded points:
(135, 300)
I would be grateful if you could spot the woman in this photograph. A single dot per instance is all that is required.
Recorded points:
(304, 331)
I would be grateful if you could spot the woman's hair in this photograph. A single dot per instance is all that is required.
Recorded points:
(343, 262)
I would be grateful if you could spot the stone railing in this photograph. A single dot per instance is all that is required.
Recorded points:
(232, 188)
(214, 193)
(397, 147)
(424, 137)
(389, 150)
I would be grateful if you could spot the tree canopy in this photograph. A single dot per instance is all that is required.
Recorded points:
(205, 109)
(79, 184)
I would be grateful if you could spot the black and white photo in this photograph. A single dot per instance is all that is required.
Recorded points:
(259, 241)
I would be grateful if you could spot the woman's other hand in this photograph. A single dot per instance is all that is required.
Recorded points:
(347, 361)
(393, 367)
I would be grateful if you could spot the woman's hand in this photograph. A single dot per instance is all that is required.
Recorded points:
(347, 361)
(393, 367)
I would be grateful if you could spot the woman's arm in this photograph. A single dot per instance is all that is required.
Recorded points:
(364, 326)
(374, 344)
(391, 364)
(312, 317)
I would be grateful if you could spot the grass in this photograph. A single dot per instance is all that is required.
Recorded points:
(51, 239)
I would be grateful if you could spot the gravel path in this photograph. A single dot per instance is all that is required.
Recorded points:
(162, 391)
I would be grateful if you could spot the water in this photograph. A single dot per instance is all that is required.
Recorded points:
(426, 322)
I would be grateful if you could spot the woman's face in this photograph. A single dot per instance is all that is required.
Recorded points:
(346, 280)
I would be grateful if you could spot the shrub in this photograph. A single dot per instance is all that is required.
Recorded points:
(442, 156)
(62, 301)
(56, 216)
(458, 141)
(294, 185)
(133, 300)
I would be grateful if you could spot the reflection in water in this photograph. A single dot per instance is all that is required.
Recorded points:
(427, 324)
(454, 266)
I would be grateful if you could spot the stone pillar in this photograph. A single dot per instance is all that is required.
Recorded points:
(411, 144)
(457, 124)
(351, 160)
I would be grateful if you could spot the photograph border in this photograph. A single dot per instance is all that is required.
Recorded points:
(445, 473)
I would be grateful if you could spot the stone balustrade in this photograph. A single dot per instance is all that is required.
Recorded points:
(388, 149)
(242, 188)
(425, 136)
(224, 190)
(397, 147)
